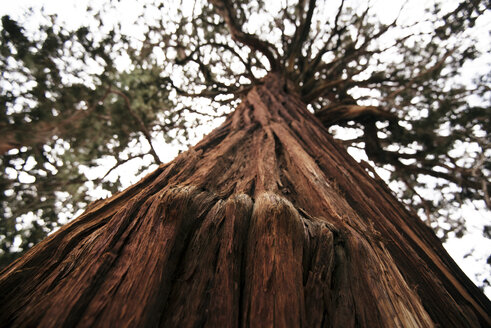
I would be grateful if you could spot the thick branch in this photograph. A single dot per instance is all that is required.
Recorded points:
(311, 68)
(225, 9)
(301, 34)
(341, 113)
(321, 89)
(36, 133)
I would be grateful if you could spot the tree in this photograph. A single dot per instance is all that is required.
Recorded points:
(267, 219)
(69, 104)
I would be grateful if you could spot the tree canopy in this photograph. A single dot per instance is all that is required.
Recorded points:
(393, 90)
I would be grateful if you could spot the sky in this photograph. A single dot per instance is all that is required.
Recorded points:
(472, 243)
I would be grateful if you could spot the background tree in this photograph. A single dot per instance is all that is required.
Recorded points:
(74, 97)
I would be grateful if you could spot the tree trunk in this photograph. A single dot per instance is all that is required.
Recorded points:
(266, 222)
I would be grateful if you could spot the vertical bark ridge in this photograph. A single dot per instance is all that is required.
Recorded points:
(273, 294)
(265, 222)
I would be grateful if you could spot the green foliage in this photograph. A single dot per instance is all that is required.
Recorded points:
(74, 98)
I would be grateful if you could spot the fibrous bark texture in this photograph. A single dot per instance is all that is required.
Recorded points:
(266, 222)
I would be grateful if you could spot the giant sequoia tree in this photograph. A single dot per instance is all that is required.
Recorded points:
(267, 221)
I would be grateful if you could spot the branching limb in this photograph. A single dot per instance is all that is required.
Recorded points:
(321, 89)
(210, 93)
(197, 112)
(438, 65)
(300, 36)
(424, 202)
(140, 123)
(192, 54)
(378, 154)
(119, 162)
(32, 134)
(338, 113)
(226, 10)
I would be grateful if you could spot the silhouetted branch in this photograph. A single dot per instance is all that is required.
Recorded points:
(226, 10)
(140, 122)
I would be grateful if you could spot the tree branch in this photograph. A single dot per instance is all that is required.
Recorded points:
(310, 69)
(376, 153)
(438, 65)
(300, 35)
(35, 133)
(226, 10)
(142, 126)
(425, 203)
(337, 113)
(321, 89)
(119, 162)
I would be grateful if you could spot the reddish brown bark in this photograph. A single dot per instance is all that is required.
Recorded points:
(266, 222)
